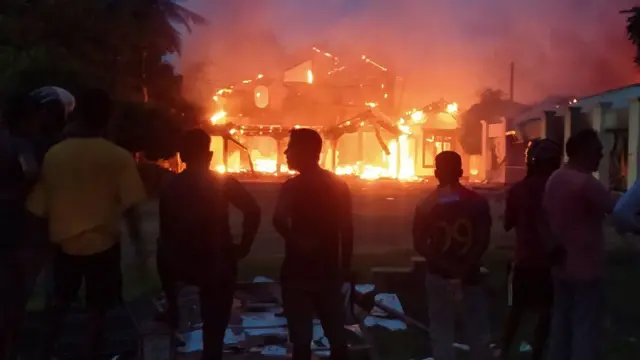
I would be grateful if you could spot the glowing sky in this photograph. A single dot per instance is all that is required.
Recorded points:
(448, 48)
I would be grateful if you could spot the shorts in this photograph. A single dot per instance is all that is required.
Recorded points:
(101, 274)
(530, 288)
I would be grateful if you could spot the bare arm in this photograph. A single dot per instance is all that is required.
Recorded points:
(510, 212)
(282, 213)
(240, 198)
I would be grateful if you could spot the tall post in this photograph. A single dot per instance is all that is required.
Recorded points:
(278, 155)
(571, 124)
(598, 118)
(360, 144)
(485, 151)
(225, 153)
(512, 68)
(334, 147)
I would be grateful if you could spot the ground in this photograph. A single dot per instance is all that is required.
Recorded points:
(382, 213)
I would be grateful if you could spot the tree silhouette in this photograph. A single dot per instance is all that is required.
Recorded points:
(491, 107)
(633, 29)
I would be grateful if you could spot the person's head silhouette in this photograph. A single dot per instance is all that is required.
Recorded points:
(194, 149)
(303, 151)
(585, 150)
(448, 167)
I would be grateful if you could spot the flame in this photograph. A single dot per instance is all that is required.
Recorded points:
(452, 108)
(309, 76)
(217, 117)
(417, 116)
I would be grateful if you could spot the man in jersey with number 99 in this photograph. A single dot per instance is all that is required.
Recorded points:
(451, 230)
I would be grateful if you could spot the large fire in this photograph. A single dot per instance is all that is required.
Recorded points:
(392, 156)
(399, 163)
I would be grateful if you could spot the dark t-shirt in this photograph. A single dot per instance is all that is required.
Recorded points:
(524, 212)
(317, 206)
(194, 220)
(451, 229)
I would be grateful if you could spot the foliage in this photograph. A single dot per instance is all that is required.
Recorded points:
(491, 107)
(633, 30)
(117, 45)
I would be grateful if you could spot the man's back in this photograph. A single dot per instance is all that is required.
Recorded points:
(317, 204)
(194, 216)
(451, 230)
(575, 204)
(85, 186)
(523, 212)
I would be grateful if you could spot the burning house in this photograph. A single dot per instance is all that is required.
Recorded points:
(352, 101)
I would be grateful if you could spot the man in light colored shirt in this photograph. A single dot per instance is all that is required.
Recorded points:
(575, 204)
(86, 185)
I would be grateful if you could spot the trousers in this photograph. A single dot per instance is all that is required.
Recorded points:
(445, 302)
(578, 320)
(301, 303)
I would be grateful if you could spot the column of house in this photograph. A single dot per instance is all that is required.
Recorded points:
(572, 119)
(598, 118)
(634, 140)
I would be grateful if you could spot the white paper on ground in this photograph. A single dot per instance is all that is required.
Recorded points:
(389, 300)
(364, 288)
(525, 347)
(231, 338)
(318, 335)
(355, 328)
(262, 319)
(393, 325)
(323, 353)
(274, 350)
(192, 341)
(463, 347)
(281, 332)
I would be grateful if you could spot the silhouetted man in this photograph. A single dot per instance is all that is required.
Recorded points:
(313, 215)
(530, 284)
(451, 230)
(85, 186)
(576, 204)
(31, 124)
(196, 246)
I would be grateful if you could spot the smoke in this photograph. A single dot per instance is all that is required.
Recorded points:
(444, 48)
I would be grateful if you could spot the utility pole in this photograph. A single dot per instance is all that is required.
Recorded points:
(511, 79)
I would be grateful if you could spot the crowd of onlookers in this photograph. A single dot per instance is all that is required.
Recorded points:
(65, 187)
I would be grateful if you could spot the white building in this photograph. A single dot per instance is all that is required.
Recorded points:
(615, 114)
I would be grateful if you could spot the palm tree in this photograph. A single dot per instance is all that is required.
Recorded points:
(633, 29)
(156, 33)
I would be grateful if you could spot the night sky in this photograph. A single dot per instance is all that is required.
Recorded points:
(447, 48)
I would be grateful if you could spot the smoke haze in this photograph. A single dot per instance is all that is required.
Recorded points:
(444, 48)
